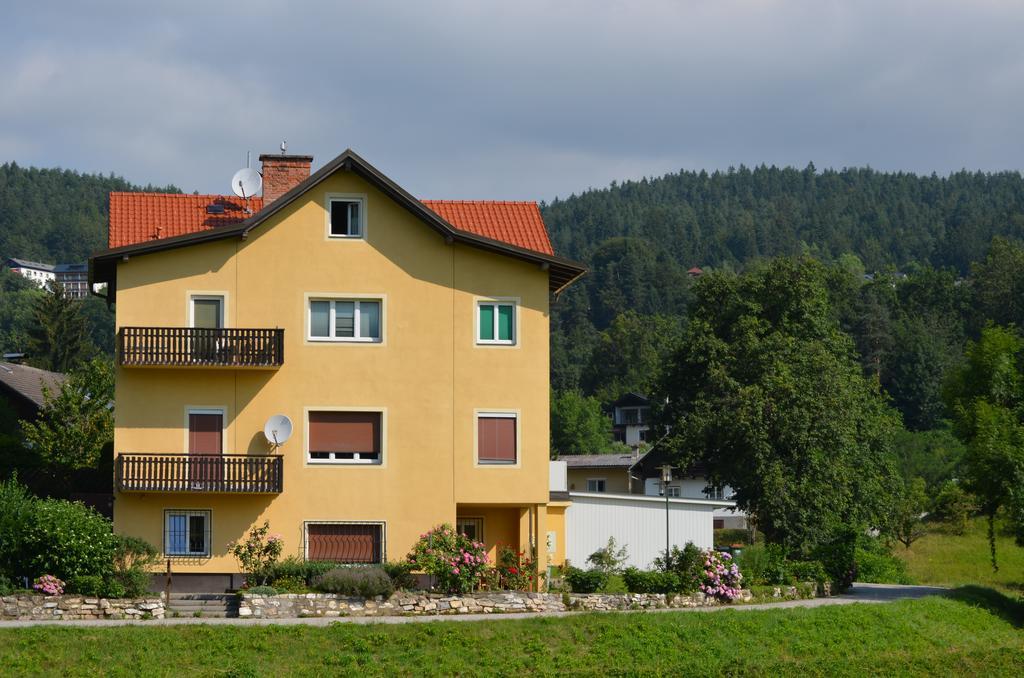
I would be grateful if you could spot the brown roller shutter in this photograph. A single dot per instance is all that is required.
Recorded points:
(344, 543)
(496, 439)
(205, 433)
(344, 432)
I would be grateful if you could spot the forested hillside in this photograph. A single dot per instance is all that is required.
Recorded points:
(55, 215)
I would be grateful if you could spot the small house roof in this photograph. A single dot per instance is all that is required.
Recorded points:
(28, 382)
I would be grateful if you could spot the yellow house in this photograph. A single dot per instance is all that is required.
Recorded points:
(405, 342)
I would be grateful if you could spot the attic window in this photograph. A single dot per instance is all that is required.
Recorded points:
(346, 218)
(215, 209)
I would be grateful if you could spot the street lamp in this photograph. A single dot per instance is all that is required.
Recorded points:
(666, 478)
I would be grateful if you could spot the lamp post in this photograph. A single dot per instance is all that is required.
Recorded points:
(666, 478)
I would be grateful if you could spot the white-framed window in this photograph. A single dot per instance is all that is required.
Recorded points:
(345, 320)
(675, 491)
(471, 527)
(345, 541)
(716, 493)
(497, 438)
(206, 311)
(186, 533)
(346, 217)
(496, 322)
(345, 436)
(596, 485)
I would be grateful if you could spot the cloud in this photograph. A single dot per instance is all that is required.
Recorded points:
(512, 100)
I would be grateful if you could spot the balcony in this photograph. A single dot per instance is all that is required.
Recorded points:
(227, 473)
(200, 347)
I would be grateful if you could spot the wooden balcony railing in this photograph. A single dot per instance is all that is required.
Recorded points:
(199, 347)
(235, 473)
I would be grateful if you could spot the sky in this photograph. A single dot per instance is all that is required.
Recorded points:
(519, 100)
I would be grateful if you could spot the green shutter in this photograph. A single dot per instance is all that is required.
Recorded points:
(486, 322)
(505, 323)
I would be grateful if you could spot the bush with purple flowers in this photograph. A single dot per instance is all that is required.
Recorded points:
(49, 585)
(722, 579)
(456, 562)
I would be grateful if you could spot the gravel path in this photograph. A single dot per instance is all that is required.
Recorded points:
(859, 593)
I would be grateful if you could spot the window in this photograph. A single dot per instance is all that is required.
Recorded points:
(471, 527)
(346, 218)
(207, 312)
(496, 438)
(345, 437)
(674, 491)
(344, 320)
(496, 323)
(187, 533)
(596, 484)
(714, 493)
(345, 542)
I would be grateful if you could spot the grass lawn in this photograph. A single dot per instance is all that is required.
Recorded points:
(946, 559)
(973, 631)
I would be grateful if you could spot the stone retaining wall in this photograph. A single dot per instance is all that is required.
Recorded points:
(416, 604)
(35, 607)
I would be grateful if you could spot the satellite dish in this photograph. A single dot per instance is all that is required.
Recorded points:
(278, 430)
(246, 182)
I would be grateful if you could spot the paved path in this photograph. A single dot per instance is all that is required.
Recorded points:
(859, 593)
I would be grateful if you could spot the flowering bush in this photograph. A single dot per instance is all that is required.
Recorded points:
(257, 554)
(456, 562)
(515, 571)
(49, 585)
(722, 578)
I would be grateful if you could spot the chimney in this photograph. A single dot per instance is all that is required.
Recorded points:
(281, 173)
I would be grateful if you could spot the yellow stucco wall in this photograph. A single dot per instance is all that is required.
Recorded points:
(616, 479)
(556, 526)
(427, 375)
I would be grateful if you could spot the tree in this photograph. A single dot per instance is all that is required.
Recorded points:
(578, 426)
(998, 284)
(908, 508)
(77, 421)
(629, 355)
(58, 340)
(765, 390)
(986, 398)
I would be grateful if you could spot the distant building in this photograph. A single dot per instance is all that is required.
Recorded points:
(630, 419)
(22, 387)
(74, 277)
(35, 271)
(695, 272)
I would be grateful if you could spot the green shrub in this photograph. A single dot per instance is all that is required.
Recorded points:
(585, 581)
(16, 509)
(86, 585)
(306, 570)
(687, 564)
(114, 589)
(67, 539)
(401, 575)
(839, 556)
(763, 564)
(877, 565)
(651, 581)
(287, 585)
(263, 590)
(133, 561)
(609, 558)
(367, 582)
(729, 537)
(456, 563)
(798, 571)
(953, 506)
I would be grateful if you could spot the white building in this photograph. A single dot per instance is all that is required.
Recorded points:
(37, 272)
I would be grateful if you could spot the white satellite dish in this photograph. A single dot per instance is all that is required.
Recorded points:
(246, 182)
(278, 430)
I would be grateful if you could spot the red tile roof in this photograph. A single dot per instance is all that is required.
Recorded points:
(139, 217)
(515, 223)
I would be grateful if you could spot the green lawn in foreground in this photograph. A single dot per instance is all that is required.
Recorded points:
(972, 632)
(944, 559)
